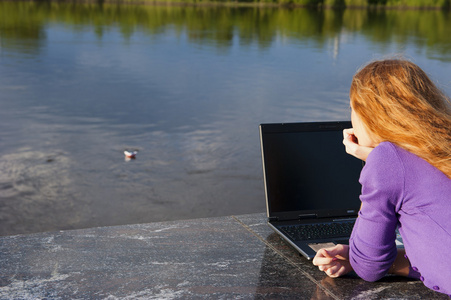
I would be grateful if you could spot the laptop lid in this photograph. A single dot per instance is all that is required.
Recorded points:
(307, 172)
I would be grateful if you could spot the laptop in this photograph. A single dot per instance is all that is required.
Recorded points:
(311, 184)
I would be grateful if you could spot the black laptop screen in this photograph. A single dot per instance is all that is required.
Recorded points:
(309, 171)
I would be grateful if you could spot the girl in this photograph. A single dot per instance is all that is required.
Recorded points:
(402, 129)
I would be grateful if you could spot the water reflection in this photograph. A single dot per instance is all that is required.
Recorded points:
(186, 87)
(220, 27)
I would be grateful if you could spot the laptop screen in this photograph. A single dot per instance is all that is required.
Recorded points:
(307, 170)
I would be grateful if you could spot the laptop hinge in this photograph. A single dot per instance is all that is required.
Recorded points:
(307, 216)
(273, 219)
(344, 219)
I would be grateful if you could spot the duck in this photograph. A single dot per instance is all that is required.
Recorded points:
(130, 154)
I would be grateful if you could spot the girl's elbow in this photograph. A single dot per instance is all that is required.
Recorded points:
(370, 272)
(370, 276)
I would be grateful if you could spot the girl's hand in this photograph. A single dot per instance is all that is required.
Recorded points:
(352, 145)
(333, 261)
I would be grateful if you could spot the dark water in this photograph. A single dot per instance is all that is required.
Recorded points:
(187, 87)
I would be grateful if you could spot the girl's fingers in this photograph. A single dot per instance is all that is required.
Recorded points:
(333, 261)
(336, 271)
(331, 265)
(333, 270)
(348, 131)
(318, 261)
(326, 266)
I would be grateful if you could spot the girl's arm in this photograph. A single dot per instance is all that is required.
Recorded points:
(335, 262)
(401, 265)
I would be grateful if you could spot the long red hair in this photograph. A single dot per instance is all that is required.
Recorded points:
(399, 103)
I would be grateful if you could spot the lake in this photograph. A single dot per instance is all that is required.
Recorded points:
(185, 86)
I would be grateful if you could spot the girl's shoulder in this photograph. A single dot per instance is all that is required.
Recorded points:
(385, 149)
(389, 153)
(388, 160)
(387, 156)
(384, 169)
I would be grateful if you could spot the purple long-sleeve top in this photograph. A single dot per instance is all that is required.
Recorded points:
(399, 189)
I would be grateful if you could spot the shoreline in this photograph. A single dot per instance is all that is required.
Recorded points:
(289, 4)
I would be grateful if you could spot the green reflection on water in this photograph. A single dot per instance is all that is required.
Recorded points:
(218, 26)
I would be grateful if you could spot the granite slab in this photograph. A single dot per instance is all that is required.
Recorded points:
(234, 257)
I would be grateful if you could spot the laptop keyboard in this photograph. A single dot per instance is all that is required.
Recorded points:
(319, 230)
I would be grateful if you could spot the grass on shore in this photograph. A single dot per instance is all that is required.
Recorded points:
(423, 4)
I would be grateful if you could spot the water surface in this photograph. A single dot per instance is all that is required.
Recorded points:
(187, 87)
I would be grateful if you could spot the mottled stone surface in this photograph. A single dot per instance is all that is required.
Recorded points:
(237, 257)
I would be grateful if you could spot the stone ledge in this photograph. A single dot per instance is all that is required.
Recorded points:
(225, 257)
